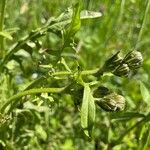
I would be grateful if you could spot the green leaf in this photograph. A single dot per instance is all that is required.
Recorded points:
(144, 138)
(54, 25)
(41, 132)
(145, 93)
(74, 26)
(6, 35)
(120, 116)
(85, 14)
(87, 111)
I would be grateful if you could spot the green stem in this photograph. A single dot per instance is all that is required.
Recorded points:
(3, 3)
(85, 72)
(33, 35)
(65, 64)
(88, 72)
(144, 22)
(61, 73)
(35, 82)
(16, 98)
(122, 7)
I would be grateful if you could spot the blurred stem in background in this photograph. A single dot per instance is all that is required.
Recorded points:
(122, 7)
(143, 24)
(87, 4)
(3, 3)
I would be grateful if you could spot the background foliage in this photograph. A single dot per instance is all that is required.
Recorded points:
(52, 121)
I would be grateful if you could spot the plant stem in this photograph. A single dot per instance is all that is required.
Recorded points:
(122, 7)
(144, 22)
(3, 3)
(85, 72)
(15, 98)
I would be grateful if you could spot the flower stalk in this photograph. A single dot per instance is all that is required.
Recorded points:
(3, 3)
(15, 98)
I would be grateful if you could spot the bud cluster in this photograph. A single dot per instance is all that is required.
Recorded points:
(122, 70)
(112, 62)
(122, 66)
(134, 60)
(112, 102)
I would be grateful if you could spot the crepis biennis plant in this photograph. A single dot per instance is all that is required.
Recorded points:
(108, 101)
(103, 97)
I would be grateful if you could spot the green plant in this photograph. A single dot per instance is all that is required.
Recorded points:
(59, 72)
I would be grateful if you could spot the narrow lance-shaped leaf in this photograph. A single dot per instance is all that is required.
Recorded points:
(145, 93)
(120, 116)
(87, 111)
(74, 26)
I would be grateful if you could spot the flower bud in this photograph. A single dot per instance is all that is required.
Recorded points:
(134, 60)
(122, 70)
(112, 102)
(112, 62)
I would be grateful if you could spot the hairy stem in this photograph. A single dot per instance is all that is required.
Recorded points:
(3, 3)
(144, 22)
(85, 72)
(16, 98)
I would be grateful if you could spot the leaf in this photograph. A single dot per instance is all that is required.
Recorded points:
(144, 138)
(66, 18)
(74, 26)
(41, 132)
(87, 111)
(6, 35)
(85, 14)
(54, 25)
(12, 30)
(145, 93)
(120, 116)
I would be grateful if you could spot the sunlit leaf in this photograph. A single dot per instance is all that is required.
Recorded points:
(74, 26)
(87, 111)
(85, 14)
(6, 35)
(41, 132)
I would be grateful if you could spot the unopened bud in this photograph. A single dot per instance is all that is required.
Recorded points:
(112, 102)
(122, 70)
(112, 62)
(134, 60)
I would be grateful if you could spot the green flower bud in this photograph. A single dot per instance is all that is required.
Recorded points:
(122, 70)
(134, 60)
(112, 102)
(112, 62)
